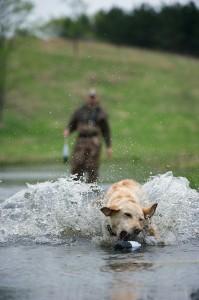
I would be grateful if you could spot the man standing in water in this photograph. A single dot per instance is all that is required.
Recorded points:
(90, 121)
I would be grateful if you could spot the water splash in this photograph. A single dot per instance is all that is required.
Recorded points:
(177, 215)
(54, 211)
(46, 211)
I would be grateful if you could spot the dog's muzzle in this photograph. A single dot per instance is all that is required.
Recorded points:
(111, 231)
(125, 236)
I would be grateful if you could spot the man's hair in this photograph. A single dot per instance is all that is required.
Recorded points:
(92, 93)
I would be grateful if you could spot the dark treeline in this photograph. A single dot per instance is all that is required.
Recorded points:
(172, 28)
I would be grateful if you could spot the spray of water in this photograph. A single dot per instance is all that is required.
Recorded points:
(177, 215)
(56, 211)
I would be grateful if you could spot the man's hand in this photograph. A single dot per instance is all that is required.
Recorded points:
(109, 152)
(66, 133)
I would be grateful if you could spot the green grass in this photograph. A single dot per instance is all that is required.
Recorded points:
(152, 99)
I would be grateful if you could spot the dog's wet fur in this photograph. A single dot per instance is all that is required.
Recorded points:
(128, 219)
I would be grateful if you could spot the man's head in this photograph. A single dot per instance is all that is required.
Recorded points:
(92, 97)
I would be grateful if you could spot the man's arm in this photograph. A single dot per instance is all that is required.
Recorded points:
(105, 129)
(72, 125)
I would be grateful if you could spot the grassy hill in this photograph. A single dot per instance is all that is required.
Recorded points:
(152, 99)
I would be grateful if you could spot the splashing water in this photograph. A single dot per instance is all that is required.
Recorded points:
(54, 211)
(177, 215)
(47, 211)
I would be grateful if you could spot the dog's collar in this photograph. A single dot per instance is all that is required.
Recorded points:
(110, 230)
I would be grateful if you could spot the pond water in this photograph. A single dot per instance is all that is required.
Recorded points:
(53, 242)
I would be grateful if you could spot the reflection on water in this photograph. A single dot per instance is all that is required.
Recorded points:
(195, 295)
(9, 293)
(84, 271)
(127, 266)
(123, 294)
(123, 268)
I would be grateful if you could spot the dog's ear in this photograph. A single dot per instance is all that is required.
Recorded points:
(108, 211)
(149, 211)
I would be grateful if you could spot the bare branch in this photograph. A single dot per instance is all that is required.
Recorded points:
(77, 7)
(12, 15)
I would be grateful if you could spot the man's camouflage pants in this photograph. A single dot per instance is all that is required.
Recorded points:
(85, 158)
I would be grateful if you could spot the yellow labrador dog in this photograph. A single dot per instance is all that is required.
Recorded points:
(128, 219)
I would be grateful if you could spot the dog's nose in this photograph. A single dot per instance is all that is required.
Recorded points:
(123, 235)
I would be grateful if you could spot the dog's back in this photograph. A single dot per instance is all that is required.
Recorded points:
(127, 189)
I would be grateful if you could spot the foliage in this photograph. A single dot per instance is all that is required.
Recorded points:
(12, 16)
(69, 28)
(77, 7)
(172, 28)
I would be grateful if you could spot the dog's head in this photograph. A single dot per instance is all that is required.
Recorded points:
(129, 220)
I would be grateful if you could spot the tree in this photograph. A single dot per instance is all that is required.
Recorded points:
(12, 16)
(172, 28)
(111, 25)
(78, 9)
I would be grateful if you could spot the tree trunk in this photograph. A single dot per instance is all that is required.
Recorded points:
(3, 65)
(2, 102)
(75, 47)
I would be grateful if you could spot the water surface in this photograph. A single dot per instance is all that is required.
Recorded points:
(51, 233)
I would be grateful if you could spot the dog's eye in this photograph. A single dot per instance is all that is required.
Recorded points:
(141, 219)
(128, 215)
